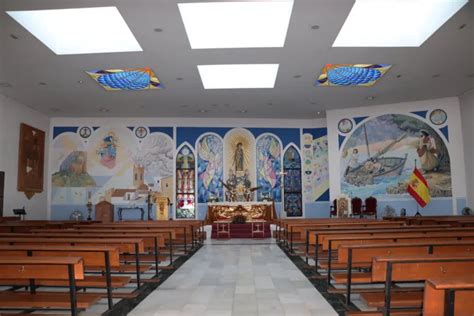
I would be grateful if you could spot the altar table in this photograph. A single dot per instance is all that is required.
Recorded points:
(251, 210)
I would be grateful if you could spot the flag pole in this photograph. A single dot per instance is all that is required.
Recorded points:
(417, 205)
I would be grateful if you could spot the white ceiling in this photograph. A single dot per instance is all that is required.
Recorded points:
(443, 66)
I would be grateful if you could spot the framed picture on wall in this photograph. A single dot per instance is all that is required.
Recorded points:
(30, 160)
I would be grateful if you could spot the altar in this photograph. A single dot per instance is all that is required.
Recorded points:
(251, 210)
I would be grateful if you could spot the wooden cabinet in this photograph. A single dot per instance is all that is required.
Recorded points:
(104, 212)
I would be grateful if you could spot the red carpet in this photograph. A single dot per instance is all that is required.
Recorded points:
(241, 231)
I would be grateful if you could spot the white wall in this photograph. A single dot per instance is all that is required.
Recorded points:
(467, 116)
(12, 114)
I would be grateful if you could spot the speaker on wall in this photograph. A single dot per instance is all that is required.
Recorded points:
(2, 190)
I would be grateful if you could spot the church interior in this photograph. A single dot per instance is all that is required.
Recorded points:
(237, 157)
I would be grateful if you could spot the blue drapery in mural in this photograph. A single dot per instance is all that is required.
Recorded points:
(269, 168)
(185, 179)
(292, 185)
(210, 169)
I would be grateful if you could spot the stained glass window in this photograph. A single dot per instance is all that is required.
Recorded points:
(293, 205)
(185, 184)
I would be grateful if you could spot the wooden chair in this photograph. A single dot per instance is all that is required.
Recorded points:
(356, 207)
(370, 207)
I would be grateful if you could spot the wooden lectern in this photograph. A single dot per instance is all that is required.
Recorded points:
(104, 212)
(162, 208)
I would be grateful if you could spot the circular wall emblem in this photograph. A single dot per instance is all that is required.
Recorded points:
(438, 117)
(141, 132)
(345, 126)
(85, 132)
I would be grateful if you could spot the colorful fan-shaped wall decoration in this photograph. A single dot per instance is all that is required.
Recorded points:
(351, 74)
(126, 79)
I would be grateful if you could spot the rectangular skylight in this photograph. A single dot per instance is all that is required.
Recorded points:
(238, 76)
(79, 31)
(236, 24)
(395, 23)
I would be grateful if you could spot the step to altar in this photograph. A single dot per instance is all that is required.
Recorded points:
(241, 231)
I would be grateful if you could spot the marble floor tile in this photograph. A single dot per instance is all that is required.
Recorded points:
(236, 278)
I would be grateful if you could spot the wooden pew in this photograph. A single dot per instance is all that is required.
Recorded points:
(53, 268)
(154, 238)
(316, 236)
(186, 229)
(331, 240)
(126, 245)
(390, 270)
(105, 257)
(361, 256)
(336, 242)
(449, 296)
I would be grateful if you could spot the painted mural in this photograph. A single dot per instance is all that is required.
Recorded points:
(351, 74)
(126, 79)
(111, 163)
(381, 153)
(315, 167)
(293, 204)
(210, 169)
(269, 168)
(185, 183)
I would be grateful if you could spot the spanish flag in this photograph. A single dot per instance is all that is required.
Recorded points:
(418, 188)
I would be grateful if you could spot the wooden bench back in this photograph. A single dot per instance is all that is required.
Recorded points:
(92, 256)
(52, 268)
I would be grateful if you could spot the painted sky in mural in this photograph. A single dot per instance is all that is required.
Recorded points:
(269, 168)
(210, 168)
(117, 164)
(379, 156)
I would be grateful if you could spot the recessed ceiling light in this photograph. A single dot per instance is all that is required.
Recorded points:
(72, 31)
(396, 24)
(318, 112)
(297, 76)
(104, 110)
(269, 103)
(42, 84)
(80, 81)
(158, 30)
(436, 76)
(238, 76)
(462, 26)
(470, 75)
(236, 24)
(370, 98)
(315, 27)
(314, 103)
(399, 76)
(179, 78)
(202, 111)
(54, 110)
(243, 111)
(14, 36)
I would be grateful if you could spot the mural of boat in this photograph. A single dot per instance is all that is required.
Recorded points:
(376, 167)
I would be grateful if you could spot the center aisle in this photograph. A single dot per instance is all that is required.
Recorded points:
(236, 278)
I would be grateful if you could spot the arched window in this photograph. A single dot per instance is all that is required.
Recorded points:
(293, 205)
(185, 183)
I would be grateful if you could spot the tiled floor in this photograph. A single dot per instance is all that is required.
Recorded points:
(236, 278)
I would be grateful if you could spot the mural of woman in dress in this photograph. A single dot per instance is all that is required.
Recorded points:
(210, 169)
(269, 168)
(108, 150)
